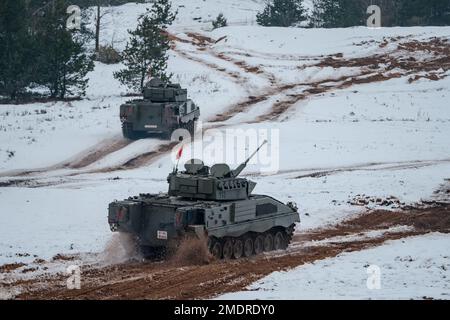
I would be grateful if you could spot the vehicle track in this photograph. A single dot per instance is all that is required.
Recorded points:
(82, 160)
(152, 280)
(376, 68)
(106, 147)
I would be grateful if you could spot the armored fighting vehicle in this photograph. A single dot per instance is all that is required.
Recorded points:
(164, 108)
(213, 204)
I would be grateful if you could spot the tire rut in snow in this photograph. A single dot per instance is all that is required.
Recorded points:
(401, 62)
(98, 152)
(375, 68)
(163, 281)
(80, 161)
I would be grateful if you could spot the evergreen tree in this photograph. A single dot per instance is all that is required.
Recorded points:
(339, 13)
(282, 13)
(16, 48)
(146, 52)
(346, 13)
(432, 12)
(63, 61)
(220, 21)
(325, 13)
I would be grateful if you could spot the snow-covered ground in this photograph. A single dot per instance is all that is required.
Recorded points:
(412, 268)
(379, 139)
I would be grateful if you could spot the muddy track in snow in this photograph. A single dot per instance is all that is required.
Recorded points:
(165, 281)
(200, 44)
(379, 166)
(82, 160)
(376, 68)
(106, 147)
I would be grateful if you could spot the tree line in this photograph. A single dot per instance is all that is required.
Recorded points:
(37, 51)
(348, 13)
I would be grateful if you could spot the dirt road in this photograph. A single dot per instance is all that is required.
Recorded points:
(167, 280)
(399, 61)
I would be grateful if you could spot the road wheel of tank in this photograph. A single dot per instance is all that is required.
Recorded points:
(128, 132)
(238, 248)
(279, 241)
(258, 244)
(227, 250)
(216, 249)
(268, 242)
(248, 247)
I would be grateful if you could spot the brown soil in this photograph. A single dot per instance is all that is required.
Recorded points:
(137, 161)
(376, 68)
(61, 257)
(146, 158)
(165, 281)
(99, 152)
(11, 267)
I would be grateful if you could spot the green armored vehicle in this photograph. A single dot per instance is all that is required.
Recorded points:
(211, 203)
(164, 108)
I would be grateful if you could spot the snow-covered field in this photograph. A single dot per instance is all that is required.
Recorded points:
(381, 139)
(413, 268)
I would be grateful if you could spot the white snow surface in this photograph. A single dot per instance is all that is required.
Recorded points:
(412, 268)
(381, 139)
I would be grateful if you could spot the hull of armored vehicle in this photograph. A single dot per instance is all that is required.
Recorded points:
(163, 109)
(232, 228)
(140, 117)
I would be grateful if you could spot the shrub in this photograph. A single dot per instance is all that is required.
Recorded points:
(108, 55)
(220, 22)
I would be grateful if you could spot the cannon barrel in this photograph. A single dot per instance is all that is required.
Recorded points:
(242, 166)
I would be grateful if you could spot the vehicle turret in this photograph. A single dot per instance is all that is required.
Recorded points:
(158, 91)
(218, 183)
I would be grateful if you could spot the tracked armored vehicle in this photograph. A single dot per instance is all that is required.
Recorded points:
(213, 204)
(163, 109)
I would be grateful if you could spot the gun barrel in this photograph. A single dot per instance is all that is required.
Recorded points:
(242, 166)
(256, 151)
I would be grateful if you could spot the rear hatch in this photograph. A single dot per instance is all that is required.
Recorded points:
(148, 117)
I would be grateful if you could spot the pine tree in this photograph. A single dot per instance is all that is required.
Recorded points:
(220, 21)
(16, 48)
(146, 52)
(432, 12)
(63, 61)
(325, 13)
(282, 13)
(439, 13)
(339, 13)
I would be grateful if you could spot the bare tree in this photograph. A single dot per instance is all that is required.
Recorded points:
(100, 14)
